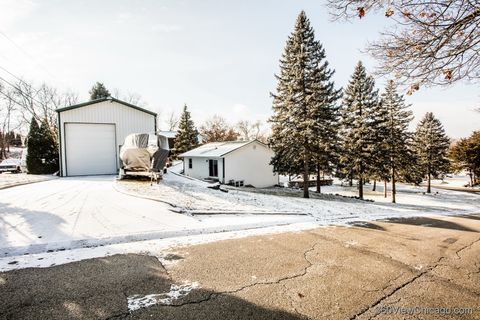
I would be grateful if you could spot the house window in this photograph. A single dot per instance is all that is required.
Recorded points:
(190, 163)
(239, 183)
(212, 168)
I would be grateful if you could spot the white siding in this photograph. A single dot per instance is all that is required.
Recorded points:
(251, 164)
(200, 168)
(127, 120)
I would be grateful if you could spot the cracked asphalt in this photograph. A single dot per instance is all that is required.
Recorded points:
(326, 273)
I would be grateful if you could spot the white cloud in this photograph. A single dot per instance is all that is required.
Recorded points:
(123, 17)
(239, 109)
(13, 11)
(165, 28)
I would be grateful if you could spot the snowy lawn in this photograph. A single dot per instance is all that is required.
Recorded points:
(331, 207)
(14, 179)
(415, 198)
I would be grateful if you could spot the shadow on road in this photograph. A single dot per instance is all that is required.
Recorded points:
(368, 225)
(429, 222)
(469, 216)
(99, 288)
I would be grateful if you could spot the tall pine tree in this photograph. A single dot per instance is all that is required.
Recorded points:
(397, 135)
(34, 145)
(187, 135)
(49, 148)
(379, 169)
(360, 99)
(325, 113)
(99, 91)
(42, 155)
(465, 155)
(431, 147)
(303, 104)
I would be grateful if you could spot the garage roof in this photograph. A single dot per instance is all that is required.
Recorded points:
(215, 149)
(75, 106)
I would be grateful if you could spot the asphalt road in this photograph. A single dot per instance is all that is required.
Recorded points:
(327, 273)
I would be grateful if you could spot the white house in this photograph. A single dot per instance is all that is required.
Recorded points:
(239, 163)
(91, 134)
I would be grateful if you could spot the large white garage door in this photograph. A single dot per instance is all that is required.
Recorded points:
(90, 149)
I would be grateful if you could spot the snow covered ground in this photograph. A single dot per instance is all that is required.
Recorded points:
(87, 212)
(15, 152)
(14, 179)
(455, 181)
(70, 219)
(194, 196)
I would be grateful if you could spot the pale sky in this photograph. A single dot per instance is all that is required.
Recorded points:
(217, 56)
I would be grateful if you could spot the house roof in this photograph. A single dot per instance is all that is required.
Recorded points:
(75, 106)
(215, 149)
(168, 134)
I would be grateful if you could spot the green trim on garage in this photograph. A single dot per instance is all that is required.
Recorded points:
(103, 100)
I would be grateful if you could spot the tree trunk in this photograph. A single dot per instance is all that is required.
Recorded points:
(350, 182)
(360, 183)
(394, 191)
(429, 183)
(318, 179)
(360, 188)
(374, 185)
(306, 178)
(385, 188)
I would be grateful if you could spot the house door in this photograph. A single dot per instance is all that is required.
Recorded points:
(212, 168)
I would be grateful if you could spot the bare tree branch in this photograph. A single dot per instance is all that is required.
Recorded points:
(433, 43)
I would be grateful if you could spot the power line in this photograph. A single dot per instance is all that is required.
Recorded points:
(11, 99)
(26, 53)
(19, 79)
(20, 90)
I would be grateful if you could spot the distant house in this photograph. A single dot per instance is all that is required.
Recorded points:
(239, 163)
(170, 136)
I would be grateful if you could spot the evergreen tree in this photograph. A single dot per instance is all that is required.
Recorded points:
(379, 157)
(99, 91)
(465, 155)
(187, 136)
(397, 135)
(413, 172)
(325, 113)
(360, 100)
(303, 105)
(49, 148)
(431, 147)
(34, 145)
(42, 156)
(18, 140)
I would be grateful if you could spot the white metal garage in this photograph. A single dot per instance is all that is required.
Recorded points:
(91, 134)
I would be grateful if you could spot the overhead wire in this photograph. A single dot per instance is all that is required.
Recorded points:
(26, 53)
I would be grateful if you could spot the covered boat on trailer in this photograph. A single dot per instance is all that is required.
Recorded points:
(144, 154)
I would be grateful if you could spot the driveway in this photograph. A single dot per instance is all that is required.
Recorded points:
(80, 212)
